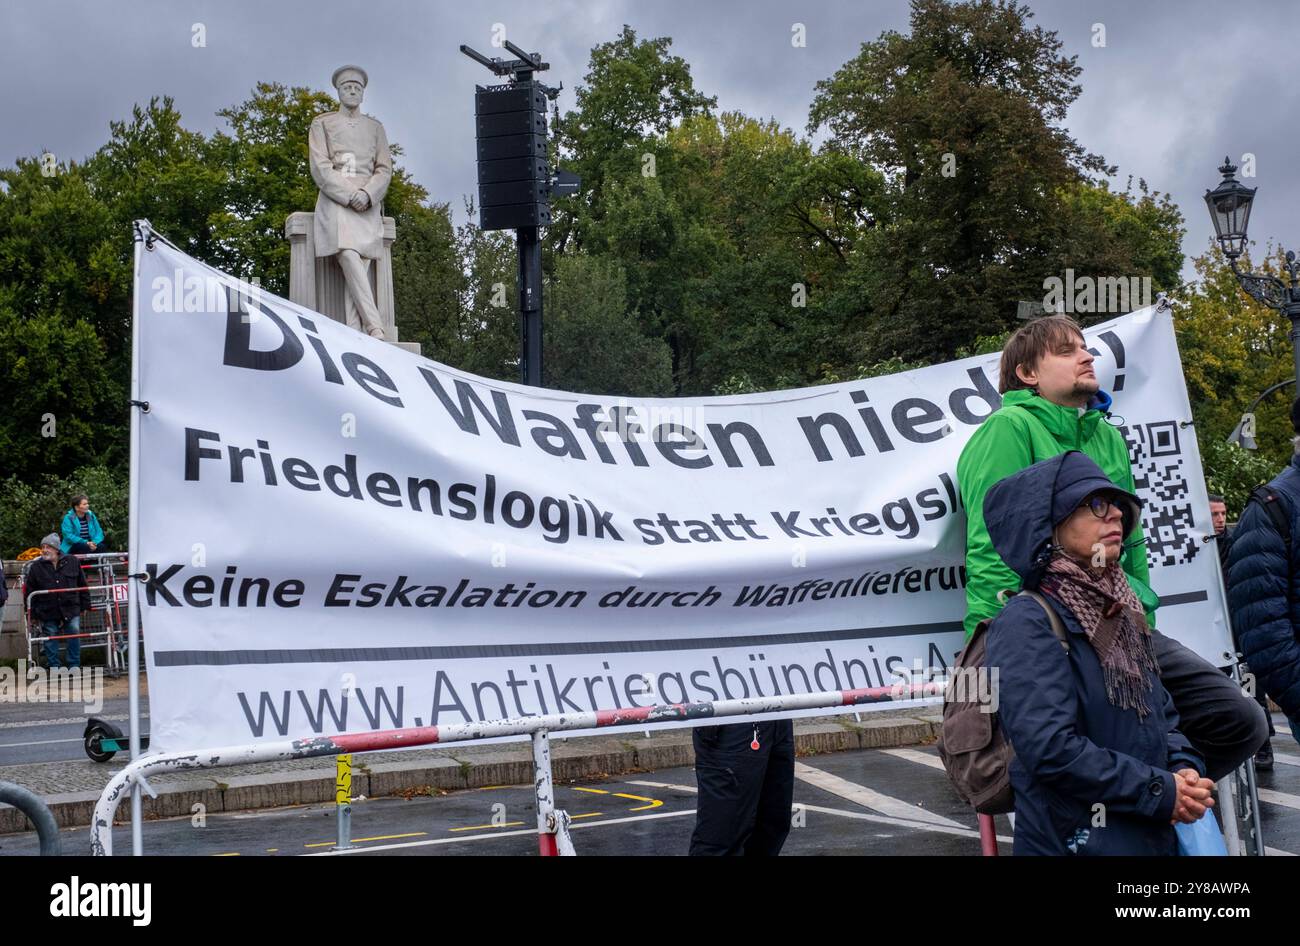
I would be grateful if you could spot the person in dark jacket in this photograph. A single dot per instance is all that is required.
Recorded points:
(60, 611)
(1264, 588)
(1100, 766)
(1223, 540)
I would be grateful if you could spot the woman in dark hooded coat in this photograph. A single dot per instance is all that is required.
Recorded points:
(1100, 766)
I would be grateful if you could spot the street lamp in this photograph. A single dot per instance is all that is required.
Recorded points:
(1230, 205)
(1243, 435)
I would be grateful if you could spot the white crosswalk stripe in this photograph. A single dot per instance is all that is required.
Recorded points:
(870, 798)
(856, 815)
(850, 791)
(1279, 798)
(916, 755)
(690, 789)
(901, 822)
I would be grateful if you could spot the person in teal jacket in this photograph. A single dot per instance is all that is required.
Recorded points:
(81, 532)
(1051, 403)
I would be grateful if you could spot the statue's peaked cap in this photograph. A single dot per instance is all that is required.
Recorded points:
(341, 72)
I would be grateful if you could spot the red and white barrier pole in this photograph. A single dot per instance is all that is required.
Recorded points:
(555, 827)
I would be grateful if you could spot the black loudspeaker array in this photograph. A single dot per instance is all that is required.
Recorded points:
(513, 182)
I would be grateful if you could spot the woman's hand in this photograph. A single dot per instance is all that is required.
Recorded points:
(1193, 798)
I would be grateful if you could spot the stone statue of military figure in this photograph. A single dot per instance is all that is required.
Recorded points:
(351, 165)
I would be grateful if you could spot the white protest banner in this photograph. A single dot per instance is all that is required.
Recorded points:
(342, 536)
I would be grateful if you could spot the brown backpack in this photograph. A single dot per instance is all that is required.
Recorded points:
(975, 751)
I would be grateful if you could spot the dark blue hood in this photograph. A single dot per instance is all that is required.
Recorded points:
(1021, 510)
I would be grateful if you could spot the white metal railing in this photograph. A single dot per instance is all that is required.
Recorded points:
(552, 823)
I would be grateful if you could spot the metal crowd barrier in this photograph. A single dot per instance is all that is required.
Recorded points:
(552, 823)
(104, 625)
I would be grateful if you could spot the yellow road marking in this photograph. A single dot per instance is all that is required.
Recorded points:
(382, 837)
(594, 791)
(231, 854)
(590, 814)
(654, 802)
(476, 827)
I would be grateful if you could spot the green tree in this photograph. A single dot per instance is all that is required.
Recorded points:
(428, 281)
(986, 191)
(485, 337)
(633, 90)
(1125, 233)
(1233, 472)
(34, 507)
(64, 304)
(592, 342)
(1233, 349)
(731, 247)
(153, 168)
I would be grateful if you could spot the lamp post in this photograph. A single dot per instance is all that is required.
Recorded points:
(1230, 205)
(1243, 435)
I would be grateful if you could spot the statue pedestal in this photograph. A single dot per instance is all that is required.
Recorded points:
(317, 282)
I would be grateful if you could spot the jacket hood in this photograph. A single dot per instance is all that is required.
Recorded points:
(1021, 510)
(1101, 401)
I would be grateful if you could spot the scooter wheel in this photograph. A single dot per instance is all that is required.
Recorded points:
(92, 742)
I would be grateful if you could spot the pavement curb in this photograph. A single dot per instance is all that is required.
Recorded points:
(464, 767)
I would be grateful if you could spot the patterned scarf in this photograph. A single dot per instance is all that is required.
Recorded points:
(1112, 618)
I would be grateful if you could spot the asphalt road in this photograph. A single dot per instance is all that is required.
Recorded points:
(51, 731)
(867, 802)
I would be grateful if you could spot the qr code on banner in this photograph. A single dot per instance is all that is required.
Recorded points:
(1156, 457)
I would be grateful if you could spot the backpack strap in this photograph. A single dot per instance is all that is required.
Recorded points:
(1058, 627)
(1274, 506)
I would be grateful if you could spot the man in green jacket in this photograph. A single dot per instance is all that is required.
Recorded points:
(1051, 403)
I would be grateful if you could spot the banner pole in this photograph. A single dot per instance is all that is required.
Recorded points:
(142, 231)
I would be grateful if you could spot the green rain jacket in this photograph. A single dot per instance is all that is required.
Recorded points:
(1026, 429)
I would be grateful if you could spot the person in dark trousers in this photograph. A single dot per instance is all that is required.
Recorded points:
(745, 775)
(1100, 766)
(1264, 585)
(1051, 403)
(1223, 540)
(59, 612)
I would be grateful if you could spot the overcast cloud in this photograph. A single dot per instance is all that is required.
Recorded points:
(1176, 86)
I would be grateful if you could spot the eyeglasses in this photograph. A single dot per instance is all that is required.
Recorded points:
(1101, 506)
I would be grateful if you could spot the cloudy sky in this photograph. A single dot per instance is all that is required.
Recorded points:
(1176, 86)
